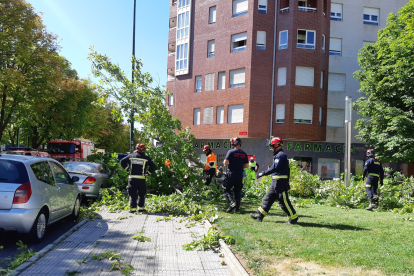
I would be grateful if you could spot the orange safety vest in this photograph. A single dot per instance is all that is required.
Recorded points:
(168, 163)
(211, 158)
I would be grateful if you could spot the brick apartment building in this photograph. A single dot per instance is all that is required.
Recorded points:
(261, 68)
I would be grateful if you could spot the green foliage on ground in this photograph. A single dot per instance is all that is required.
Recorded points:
(209, 241)
(18, 258)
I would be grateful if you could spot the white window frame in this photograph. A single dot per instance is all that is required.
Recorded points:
(307, 45)
(284, 45)
(198, 83)
(336, 12)
(238, 73)
(220, 115)
(335, 46)
(208, 115)
(281, 76)
(303, 78)
(212, 15)
(323, 43)
(339, 113)
(211, 48)
(181, 58)
(321, 79)
(262, 6)
(302, 116)
(370, 13)
(244, 10)
(196, 116)
(183, 3)
(183, 24)
(261, 40)
(237, 39)
(170, 99)
(280, 114)
(239, 108)
(221, 84)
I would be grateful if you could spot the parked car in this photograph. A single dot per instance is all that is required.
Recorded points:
(34, 193)
(26, 151)
(91, 177)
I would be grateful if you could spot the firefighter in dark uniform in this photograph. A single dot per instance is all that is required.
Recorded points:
(138, 164)
(373, 171)
(237, 161)
(280, 172)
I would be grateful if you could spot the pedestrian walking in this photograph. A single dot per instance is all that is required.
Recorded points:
(210, 168)
(374, 172)
(237, 161)
(138, 165)
(279, 188)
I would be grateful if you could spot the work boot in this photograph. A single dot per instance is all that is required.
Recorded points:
(375, 203)
(371, 205)
(257, 216)
(142, 210)
(237, 207)
(293, 221)
(231, 207)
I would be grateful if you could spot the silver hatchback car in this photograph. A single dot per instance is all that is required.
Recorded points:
(35, 192)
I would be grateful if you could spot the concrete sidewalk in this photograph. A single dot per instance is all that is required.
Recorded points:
(163, 255)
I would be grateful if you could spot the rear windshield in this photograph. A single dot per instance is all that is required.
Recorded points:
(13, 172)
(81, 168)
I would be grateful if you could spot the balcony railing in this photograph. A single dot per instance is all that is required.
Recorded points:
(307, 9)
(284, 9)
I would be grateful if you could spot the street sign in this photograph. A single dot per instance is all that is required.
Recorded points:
(243, 133)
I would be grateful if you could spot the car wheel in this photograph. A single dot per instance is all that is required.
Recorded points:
(76, 208)
(39, 227)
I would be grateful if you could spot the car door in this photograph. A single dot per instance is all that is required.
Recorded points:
(66, 187)
(47, 188)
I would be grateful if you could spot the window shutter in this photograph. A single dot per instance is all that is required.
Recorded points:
(240, 6)
(239, 37)
(212, 15)
(220, 115)
(320, 115)
(280, 113)
(196, 116)
(304, 76)
(211, 46)
(335, 117)
(221, 80)
(261, 38)
(235, 114)
(321, 79)
(262, 2)
(209, 82)
(335, 44)
(281, 76)
(208, 116)
(237, 76)
(371, 11)
(336, 8)
(336, 82)
(303, 112)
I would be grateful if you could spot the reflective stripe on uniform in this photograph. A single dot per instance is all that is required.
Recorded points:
(377, 163)
(373, 174)
(295, 216)
(138, 161)
(287, 205)
(279, 176)
(137, 176)
(264, 213)
(133, 209)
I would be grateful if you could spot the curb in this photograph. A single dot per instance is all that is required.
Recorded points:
(47, 249)
(232, 262)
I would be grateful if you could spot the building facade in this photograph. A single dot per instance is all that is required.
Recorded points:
(260, 68)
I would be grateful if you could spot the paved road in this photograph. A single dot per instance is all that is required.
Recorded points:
(8, 240)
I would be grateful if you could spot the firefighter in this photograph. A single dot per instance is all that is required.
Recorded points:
(138, 164)
(210, 168)
(237, 161)
(253, 167)
(280, 172)
(373, 171)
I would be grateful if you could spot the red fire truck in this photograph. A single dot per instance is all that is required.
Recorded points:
(73, 150)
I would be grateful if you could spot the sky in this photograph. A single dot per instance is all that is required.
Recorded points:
(107, 25)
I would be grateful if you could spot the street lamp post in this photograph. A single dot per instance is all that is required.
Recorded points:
(131, 146)
(347, 157)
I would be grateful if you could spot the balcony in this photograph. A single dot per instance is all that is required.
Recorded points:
(307, 5)
(284, 9)
(284, 5)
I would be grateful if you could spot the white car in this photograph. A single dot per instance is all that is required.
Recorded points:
(34, 193)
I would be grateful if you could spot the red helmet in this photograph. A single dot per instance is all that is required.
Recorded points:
(370, 153)
(206, 147)
(235, 141)
(276, 141)
(140, 147)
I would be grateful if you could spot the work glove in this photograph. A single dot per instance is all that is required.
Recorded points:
(259, 175)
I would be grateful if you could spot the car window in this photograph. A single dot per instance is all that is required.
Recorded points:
(28, 153)
(13, 172)
(61, 175)
(43, 172)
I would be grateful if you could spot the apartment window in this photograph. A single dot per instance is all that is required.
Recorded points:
(321, 79)
(281, 76)
(303, 113)
(336, 12)
(183, 3)
(208, 116)
(221, 81)
(335, 46)
(261, 40)
(371, 16)
(306, 39)
(304, 76)
(211, 48)
(320, 116)
(336, 82)
(335, 117)
(235, 114)
(181, 58)
(280, 113)
(262, 6)
(170, 99)
(302, 5)
(196, 116)
(182, 26)
(238, 42)
(323, 43)
(198, 83)
(283, 40)
(220, 115)
(237, 78)
(209, 82)
(240, 7)
(212, 15)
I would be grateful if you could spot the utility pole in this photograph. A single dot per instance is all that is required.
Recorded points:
(131, 146)
(347, 157)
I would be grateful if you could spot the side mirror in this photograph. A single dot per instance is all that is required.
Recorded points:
(75, 178)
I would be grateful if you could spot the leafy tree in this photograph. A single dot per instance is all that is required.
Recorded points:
(387, 79)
